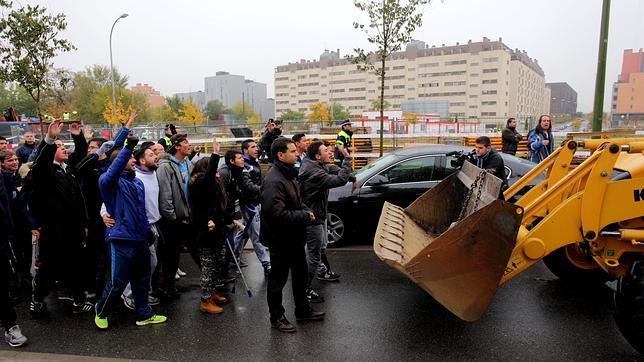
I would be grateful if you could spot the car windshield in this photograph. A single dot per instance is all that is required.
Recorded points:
(385, 160)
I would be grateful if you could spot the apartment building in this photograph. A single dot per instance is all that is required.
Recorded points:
(628, 92)
(153, 96)
(480, 80)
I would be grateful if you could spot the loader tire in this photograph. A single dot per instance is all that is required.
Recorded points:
(570, 264)
(629, 306)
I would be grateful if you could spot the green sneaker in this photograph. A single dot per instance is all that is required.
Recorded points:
(155, 319)
(101, 323)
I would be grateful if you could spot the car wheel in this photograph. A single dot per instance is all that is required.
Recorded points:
(335, 229)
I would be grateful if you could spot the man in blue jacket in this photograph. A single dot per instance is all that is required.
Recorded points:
(124, 197)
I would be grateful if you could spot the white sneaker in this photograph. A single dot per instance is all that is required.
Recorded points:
(177, 276)
(181, 273)
(14, 337)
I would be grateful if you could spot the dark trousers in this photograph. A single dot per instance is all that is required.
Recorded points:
(292, 258)
(61, 258)
(96, 257)
(130, 264)
(7, 313)
(174, 233)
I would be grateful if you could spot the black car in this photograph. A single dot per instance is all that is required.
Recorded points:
(399, 177)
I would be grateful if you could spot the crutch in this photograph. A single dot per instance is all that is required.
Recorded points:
(232, 252)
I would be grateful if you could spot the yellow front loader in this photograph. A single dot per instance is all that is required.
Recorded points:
(459, 242)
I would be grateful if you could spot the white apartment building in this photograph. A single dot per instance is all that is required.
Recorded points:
(480, 80)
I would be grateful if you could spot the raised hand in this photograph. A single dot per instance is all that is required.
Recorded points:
(216, 146)
(211, 225)
(132, 141)
(130, 120)
(75, 129)
(55, 127)
(197, 148)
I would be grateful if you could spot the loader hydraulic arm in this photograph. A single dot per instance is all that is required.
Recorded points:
(576, 208)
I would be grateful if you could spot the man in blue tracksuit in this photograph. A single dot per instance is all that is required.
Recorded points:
(124, 198)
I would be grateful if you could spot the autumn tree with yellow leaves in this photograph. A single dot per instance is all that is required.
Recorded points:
(319, 112)
(118, 117)
(189, 113)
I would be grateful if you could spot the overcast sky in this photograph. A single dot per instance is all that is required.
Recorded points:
(173, 45)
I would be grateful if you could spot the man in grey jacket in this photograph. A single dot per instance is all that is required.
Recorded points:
(315, 182)
(173, 176)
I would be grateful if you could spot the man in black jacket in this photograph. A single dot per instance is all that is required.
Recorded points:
(315, 182)
(59, 208)
(13, 336)
(284, 218)
(487, 158)
(510, 138)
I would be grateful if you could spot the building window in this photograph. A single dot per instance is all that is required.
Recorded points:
(281, 79)
(428, 65)
(301, 77)
(490, 60)
(399, 67)
(456, 62)
(488, 103)
(474, 74)
(398, 87)
(491, 70)
(336, 73)
(488, 92)
(490, 81)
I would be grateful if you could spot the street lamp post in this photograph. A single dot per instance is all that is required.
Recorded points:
(124, 15)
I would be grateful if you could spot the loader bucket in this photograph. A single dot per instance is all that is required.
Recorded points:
(458, 262)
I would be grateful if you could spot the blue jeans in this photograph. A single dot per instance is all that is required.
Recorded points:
(130, 264)
(251, 229)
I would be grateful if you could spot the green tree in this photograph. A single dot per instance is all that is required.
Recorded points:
(376, 104)
(243, 111)
(339, 112)
(174, 103)
(214, 109)
(163, 114)
(102, 99)
(12, 95)
(292, 116)
(390, 25)
(85, 86)
(29, 41)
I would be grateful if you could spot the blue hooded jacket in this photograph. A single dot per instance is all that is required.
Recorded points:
(537, 151)
(124, 197)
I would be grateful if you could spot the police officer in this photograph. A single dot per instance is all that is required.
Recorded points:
(170, 130)
(343, 143)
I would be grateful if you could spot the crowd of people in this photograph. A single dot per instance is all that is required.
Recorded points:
(107, 223)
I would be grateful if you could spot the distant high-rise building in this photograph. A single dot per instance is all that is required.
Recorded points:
(479, 80)
(198, 98)
(230, 89)
(153, 96)
(627, 104)
(563, 99)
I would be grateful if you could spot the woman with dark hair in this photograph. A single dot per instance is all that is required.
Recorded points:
(210, 222)
(540, 140)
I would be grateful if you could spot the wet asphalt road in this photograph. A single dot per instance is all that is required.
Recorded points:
(373, 313)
